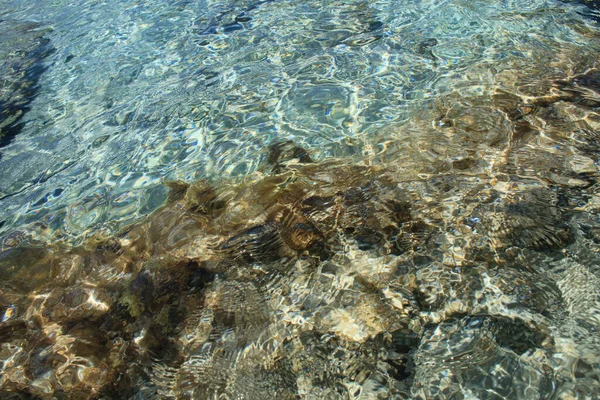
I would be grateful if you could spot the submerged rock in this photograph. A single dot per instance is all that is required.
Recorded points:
(324, 280)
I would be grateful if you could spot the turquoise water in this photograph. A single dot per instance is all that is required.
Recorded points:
(441, 243)
(136, 93)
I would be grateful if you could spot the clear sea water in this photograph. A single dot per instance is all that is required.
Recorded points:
(485, 113)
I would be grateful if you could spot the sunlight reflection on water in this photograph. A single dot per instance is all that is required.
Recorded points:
(443, 244)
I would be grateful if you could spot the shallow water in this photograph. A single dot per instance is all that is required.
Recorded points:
(391, 199)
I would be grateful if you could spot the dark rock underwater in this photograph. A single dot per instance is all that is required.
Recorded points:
(23, 50)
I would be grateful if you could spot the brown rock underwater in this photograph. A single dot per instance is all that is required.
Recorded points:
(317, 280)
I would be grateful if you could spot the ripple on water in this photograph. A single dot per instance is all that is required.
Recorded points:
(388, 199)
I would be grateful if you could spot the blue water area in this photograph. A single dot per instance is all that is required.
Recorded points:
(134, 93)
(299, 199)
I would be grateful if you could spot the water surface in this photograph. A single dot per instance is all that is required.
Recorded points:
(392, 199)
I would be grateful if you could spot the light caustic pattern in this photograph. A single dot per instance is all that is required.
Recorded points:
(363, 200)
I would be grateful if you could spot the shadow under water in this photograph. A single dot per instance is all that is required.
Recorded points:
(329, 279)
